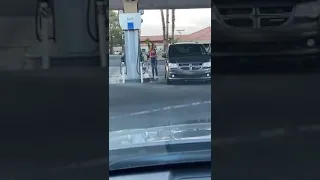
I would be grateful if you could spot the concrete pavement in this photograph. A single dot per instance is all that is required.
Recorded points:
(115, 76)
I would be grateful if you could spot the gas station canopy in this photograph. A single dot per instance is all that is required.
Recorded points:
(164, 4)
(21, 8)
(27, 8)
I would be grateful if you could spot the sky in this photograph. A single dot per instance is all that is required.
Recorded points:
(189, 20)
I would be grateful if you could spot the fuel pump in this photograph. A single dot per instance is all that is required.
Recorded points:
(43, 13)
(130, 23)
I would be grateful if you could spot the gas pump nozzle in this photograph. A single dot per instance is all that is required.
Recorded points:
(123, 68)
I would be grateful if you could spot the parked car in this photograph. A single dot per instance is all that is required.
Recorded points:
(187, 61)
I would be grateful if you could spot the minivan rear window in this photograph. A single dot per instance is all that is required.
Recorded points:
(184, 50)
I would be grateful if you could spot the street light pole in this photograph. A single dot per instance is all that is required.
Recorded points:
(180, 31)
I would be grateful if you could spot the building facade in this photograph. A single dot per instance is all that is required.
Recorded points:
(202, 36)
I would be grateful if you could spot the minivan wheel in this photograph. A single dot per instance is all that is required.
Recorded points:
(168, 81)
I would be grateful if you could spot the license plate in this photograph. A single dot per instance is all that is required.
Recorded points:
(188, 72)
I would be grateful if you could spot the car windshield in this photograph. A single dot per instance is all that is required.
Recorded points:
(186, 50)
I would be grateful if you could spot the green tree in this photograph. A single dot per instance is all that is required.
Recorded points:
(148, 42)
(115, 32)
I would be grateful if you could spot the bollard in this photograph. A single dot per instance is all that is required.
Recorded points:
(123, 68)
(141, 71)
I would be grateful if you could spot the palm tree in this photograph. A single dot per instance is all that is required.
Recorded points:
(163, 30)
(173, 18)
(167, 30)
(148, 42)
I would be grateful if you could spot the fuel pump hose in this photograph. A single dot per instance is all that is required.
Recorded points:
(123, 61)
(38, 19)
(140, 60)
(89, 30)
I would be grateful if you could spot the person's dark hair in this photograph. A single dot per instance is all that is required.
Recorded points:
(153, 46)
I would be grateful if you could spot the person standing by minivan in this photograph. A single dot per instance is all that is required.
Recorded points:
(154, 63)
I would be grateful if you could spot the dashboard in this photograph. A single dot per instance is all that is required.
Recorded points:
(181, 174)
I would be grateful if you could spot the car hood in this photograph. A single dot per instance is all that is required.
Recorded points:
(199, 59)
(182, 133)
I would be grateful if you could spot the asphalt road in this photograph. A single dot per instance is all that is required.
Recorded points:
(155, 104)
